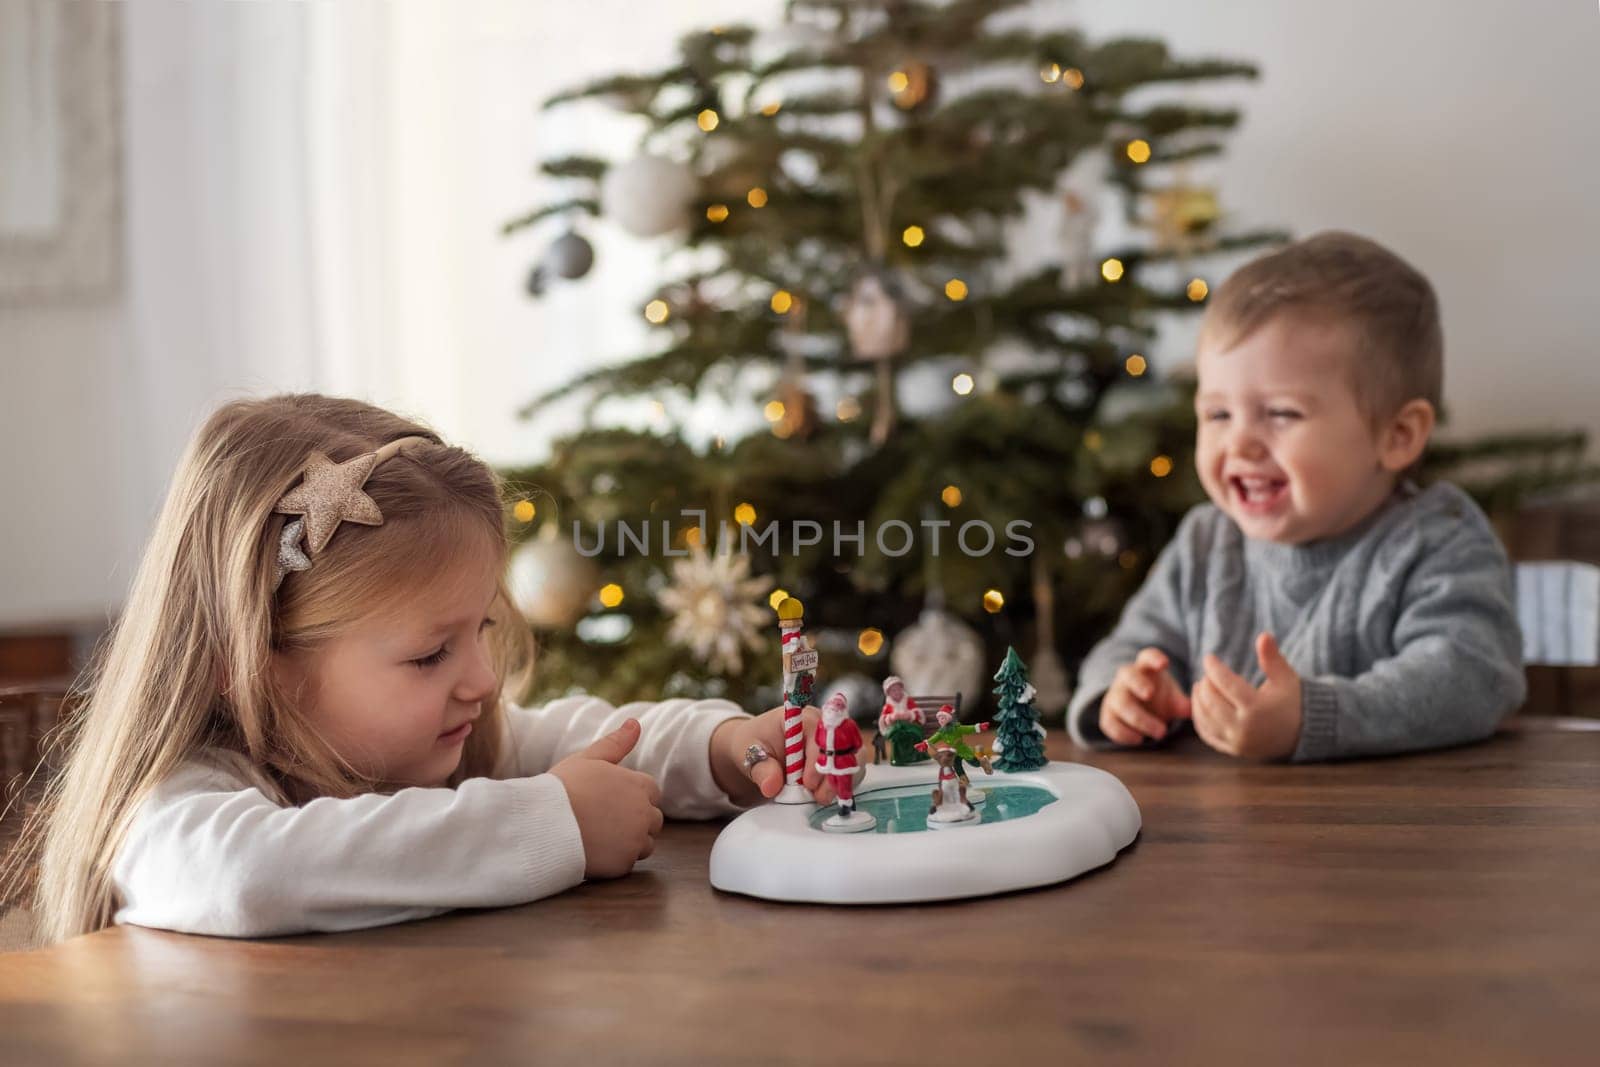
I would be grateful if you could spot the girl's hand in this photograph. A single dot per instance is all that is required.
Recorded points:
(618, 809)
(730, 742)
(1142, 700)
(1236, 718)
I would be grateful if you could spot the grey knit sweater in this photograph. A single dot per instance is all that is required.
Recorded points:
(1403, 630)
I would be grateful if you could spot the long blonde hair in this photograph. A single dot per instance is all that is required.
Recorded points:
(186, 667)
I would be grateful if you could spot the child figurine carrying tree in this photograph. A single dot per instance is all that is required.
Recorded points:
(1019, 738)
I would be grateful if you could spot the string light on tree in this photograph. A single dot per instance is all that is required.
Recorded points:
(955, 289)
(744, 514)
(707, 120)
(912, 236)
(1050, 74)
(772, 109)
(756, 197)
(961, 384)
(1161, 466)
(1111, 270)
(656, 312)
(610, 594)
(848, 409)
(951, 496)
(1136, 365)
(717, 212)
(870, 641)
(1139, 150)
(1072, 78)
(993, 601)
(1198, 289)
(773, 411)
(524, 511)
(899, 81)
(782, 301)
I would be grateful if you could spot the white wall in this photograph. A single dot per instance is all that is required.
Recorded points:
(1460, 133)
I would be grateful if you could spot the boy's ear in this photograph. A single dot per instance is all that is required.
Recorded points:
(1402, 440)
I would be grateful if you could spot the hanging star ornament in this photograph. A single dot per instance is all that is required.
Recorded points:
(330, 493)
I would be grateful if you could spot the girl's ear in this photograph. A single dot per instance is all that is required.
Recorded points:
(1401, 442)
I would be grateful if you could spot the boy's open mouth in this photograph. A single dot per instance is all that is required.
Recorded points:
(1259, 496)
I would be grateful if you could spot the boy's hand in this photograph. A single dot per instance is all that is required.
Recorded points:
(1142, 700)
(1234, 717)
(618, 809)
(762, 781)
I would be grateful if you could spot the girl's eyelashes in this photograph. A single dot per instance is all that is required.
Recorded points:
(1283, 413)
(433, 659)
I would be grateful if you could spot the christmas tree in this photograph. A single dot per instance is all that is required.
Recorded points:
(1019, 739)
(847, 188)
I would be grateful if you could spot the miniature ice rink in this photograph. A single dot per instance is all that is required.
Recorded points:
(1035, 828)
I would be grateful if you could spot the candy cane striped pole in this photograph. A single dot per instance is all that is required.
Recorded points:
(791, 632)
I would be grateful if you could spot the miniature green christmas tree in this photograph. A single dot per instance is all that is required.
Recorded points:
(1019, 738)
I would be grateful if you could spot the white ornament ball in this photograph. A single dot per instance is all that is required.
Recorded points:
(939, 654)
(551, 582)
(648, 196)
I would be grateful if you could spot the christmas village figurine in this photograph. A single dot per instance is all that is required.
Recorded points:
(950, 806)
(1019, 736)
(838, 740)
(948, 736)
(799, 682)
(900, 724)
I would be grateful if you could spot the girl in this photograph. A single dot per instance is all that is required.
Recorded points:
(298, 722)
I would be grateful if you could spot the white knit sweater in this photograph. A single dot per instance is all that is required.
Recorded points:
(210, 852)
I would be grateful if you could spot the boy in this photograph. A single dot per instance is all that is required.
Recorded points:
(1321, 605)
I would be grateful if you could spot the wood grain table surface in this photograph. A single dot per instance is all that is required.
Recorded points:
(1439, 908)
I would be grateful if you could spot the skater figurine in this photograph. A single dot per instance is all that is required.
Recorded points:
(950, 733)
(838, 739)
(950, 805)
(900, 724)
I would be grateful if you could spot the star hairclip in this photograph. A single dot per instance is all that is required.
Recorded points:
(329, 493)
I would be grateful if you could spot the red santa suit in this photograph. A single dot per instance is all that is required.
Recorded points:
(836, 754)
(891, 709)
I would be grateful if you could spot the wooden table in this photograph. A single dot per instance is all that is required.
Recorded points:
(1442, 908)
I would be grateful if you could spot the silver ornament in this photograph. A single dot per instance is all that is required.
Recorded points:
(648, 196)
(571, 256)
(551, 582)
(939, 655)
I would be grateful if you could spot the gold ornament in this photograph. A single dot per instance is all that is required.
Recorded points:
(913, 86)
(1180, 215)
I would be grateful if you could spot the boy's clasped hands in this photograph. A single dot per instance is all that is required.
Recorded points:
(1231, 715)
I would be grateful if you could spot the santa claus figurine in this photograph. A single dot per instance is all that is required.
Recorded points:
(838, 740)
